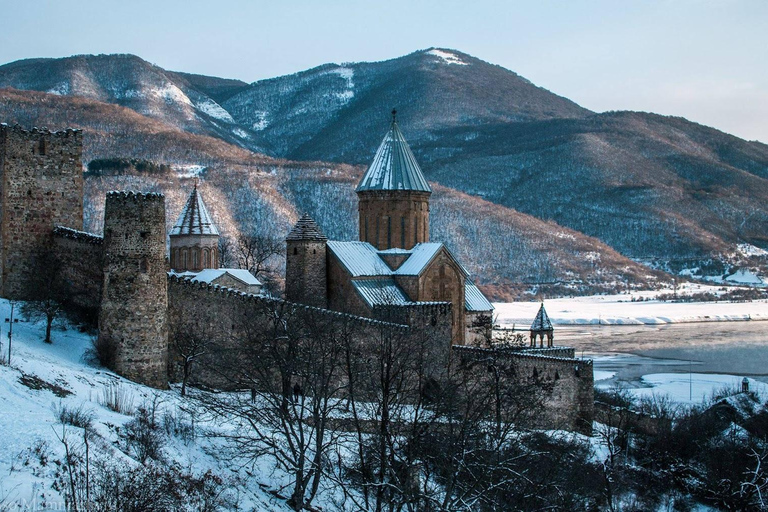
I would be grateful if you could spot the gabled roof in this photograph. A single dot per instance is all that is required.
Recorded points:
(194, 218)
(306, 229)
(541, 322)
(210, 274)
(380, 292)
(359, 258)
(394, 167)
(474, 300)
(421, 255)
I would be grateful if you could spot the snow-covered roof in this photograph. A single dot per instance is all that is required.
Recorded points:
(541, 322)
(394, 167)
(744, 276)
(421, 255)
(209, 275)
(474, 300)
(380, 292)
(194, 218)
(306, 229)
(359, 258)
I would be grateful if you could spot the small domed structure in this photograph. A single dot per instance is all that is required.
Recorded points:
(542, 326)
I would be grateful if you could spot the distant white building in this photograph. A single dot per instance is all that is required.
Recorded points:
(745, 276)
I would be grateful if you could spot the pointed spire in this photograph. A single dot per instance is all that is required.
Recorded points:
(194, 218)
(541, 322)
(394, 167)
(306, 229)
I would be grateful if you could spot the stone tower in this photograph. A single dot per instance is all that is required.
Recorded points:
(305, 264)
(393, 196)
(133, 314)
(41, 187)
(194, 237)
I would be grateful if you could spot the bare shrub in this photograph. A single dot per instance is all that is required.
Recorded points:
(180, 425)
(75, 416)
(143, 435)
(103, 351)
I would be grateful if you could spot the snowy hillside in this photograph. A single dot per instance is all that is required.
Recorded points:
(44, 380)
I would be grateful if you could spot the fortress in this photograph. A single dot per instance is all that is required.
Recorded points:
(394, 276)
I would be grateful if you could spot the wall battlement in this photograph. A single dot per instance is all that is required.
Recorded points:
(80, 236)
(41, 186)
(134, 304)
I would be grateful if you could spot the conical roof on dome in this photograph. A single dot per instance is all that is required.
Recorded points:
(306, 229)
(541, 322)
(194, 218)
(394, 167)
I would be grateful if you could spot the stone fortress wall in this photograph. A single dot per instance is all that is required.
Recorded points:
(134, 300)
(568, 383)
(142, 309)
(41, 186)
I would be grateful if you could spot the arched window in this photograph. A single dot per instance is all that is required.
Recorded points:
(195, 258)
(184, 256)
(206, 258)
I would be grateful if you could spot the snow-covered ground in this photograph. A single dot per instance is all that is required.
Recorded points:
(58, 370)
(622, 310)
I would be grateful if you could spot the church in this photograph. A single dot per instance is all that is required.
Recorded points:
(394, 263)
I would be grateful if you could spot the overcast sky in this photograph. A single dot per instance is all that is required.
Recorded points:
(706, 60)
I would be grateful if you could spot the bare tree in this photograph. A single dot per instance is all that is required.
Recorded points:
(255, 252)
(226, 256)
(46, 289)
(290, 360)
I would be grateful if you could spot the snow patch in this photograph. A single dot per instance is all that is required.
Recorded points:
(213, 109)
(447, 57)
(241, 133)
(261, 120)
(692, 388)
(188, 171)
(61, 89)
(751, 250)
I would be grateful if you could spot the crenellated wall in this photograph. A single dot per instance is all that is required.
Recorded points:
(568, 384)
(134, 304)
(41, 186)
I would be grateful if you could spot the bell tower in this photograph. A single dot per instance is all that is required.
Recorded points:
(393, 196)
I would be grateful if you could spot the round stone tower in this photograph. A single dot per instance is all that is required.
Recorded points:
(133, 314)
(305, 264)
(194, 237)
(393, 196)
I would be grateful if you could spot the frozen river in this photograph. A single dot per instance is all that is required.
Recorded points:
(710, 351)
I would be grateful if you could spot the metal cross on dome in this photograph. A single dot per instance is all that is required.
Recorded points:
(394, 115)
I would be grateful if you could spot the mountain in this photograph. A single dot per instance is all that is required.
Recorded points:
(660, 189)
(509, 253)
(177, 99)
(337, 112)
(663, 190)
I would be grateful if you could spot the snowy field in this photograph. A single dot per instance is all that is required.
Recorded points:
(622, 310)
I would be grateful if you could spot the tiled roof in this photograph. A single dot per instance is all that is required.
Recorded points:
(541, 322)
(194, 218)
(380, 292)
(306, 229)
(474, 299)
(394, 167)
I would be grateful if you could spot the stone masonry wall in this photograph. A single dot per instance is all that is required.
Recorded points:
(305, 272)
(567, 383)
(225, 319)
(133, 315)
(41, 186)
(81, 254)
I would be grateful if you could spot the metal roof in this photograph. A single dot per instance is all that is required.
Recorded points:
(541, 322)
(394, 167)
(421, 256)
(359, 258)
(210, 274)
(306, 229)
(474, 300)
(194, 218)
(380, 292)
